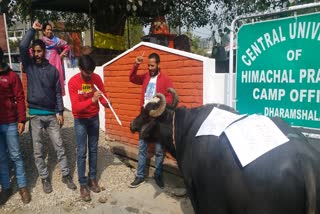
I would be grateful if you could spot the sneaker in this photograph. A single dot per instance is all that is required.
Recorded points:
(5, 195)
(159, 181)
(67, 179)
(137, 182)
(46, 185)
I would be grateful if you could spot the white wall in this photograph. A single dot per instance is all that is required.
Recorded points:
(215, 85)
(70, 72)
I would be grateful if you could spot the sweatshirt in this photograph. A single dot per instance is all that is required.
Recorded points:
(44, 90)
(12, 101)
(81, 93)
(163, 83)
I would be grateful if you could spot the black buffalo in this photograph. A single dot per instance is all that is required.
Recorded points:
(285, 180)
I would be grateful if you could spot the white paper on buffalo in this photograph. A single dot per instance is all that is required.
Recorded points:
(216, 122)
(253, 136)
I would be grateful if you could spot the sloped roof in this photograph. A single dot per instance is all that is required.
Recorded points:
(162, 48)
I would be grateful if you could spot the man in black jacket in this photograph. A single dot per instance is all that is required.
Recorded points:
(45, 106)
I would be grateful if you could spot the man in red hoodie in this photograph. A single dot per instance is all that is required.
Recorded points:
(12, 123)
(85, 109)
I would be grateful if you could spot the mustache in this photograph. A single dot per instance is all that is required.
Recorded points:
(154, 70)
(35, 58)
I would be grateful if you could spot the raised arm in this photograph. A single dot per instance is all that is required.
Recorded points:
(24, 48)
(133, 76)
(25, 42)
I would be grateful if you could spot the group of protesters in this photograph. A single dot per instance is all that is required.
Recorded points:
(44, 70)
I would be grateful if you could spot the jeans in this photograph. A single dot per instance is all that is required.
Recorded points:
(87, 136)
(10, 146)
(142, 157)
(49, 123)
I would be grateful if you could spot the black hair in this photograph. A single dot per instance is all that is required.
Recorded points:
(155, 56)
(40, 43)
(87, 64)
(44, 26)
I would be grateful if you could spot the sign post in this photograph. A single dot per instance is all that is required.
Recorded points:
(278, 69)
(7, 38)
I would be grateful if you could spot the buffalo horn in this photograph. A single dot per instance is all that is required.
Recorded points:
(157, 112)
(175, 97)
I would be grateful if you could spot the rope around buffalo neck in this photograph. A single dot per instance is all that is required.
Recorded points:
(173, 131)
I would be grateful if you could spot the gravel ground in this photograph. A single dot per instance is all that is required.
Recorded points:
(113, 177)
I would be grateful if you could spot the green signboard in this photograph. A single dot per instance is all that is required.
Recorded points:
(278, 69)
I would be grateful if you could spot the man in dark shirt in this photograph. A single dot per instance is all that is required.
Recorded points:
(45, 106)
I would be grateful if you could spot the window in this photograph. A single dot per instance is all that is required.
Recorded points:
(19, 34)
(10, 33)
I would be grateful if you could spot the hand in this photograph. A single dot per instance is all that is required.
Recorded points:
(139, 60)
(60, 119)
(96, 96)
(21, 127)
(36, 25)
(107, 105)
(63, 55)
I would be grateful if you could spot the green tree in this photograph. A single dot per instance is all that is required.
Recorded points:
(14, 45)
(195, 44)
(6, 7)
(135, 32)
(188, 13)
(227, 10)
(179, 13)
(20, 10)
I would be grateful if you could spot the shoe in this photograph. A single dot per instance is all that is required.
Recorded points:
(137, 182)
(5, 195)
(85, 193)
(93, 185)
(67, 179)
(159, 181)
(46, 185)
(25, 195)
